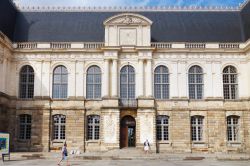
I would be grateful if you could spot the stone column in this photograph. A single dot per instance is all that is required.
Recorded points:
(105, 87)
(149, 79)
(114, 78)
(140, 81)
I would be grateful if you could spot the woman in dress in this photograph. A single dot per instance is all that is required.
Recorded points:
(64, 154)
(146, 146)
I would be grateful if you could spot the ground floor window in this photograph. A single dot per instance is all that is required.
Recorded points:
(162, 128)
(24, 126)
(93, 127)
(59, 126)
(197, 128)
(232, 128)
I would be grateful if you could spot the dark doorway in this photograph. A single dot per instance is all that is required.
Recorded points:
(127, 135)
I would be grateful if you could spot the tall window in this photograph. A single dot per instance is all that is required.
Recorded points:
(232, 128)
(24, 126)
(161, 83)
(197, 128)
(59, 126)
(230, 85)
(26, 82)
(60, 82)
(195, 80)
(93, 127)
(127, 82)
(162, 126)
(94, 82)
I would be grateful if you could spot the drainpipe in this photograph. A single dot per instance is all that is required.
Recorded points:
(84, 128)
(50, 119)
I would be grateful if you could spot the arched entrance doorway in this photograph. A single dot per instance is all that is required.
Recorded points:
(127, 132)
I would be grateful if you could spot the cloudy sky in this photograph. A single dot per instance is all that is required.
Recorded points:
(129, 2)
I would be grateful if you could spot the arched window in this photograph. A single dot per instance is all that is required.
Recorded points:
(94, 82)
(24, 126)
(60, 82)
(93, 127)
(195, 81)
(59, 126)
(26, 82)
(161, 83)
(230, 85)
(162, 128)
(127, 82)
(233, 128)
(197, 128)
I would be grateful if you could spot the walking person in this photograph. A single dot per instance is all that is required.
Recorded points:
(64, 153)
(146, 146)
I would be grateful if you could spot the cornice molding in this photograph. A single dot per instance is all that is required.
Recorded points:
(128, 8)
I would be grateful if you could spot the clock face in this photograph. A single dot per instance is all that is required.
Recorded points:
(128, 36)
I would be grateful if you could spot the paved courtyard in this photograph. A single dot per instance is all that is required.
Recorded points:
(50, 162)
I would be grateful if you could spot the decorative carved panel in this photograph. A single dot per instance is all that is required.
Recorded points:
(128, 36)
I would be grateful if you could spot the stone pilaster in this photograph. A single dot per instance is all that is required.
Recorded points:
(149, 81)
(140, 78)
(105, 86)
(114, 78)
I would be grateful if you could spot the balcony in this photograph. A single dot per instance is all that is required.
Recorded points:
(128, 103)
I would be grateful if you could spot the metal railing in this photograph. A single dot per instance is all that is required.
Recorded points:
(128, 103)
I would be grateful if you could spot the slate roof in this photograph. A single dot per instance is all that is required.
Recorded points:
(168, 26)
(7, 18)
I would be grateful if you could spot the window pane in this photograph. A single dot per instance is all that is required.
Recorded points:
(230, 82)
(60, 82)
(127, 82)
(26, 84)
(94, 81)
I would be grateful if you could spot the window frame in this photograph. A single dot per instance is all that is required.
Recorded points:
(230, 84)
(25, 126)
(27, 72)
(130, 75)
(233, 129)
(96, 91)
(196, 82)
(59, 94)
(92, 135)
(197, 129)
(162, 84)
(162, 127)
(61, 130)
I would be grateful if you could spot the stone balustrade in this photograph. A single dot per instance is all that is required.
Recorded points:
(229, 45)
(93, 45)
(98, 45)
(161, 45)
(195, 45)
(26, 45)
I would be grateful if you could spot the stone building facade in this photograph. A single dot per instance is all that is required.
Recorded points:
(189, 96)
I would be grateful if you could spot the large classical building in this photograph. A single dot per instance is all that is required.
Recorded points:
(109, 78)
